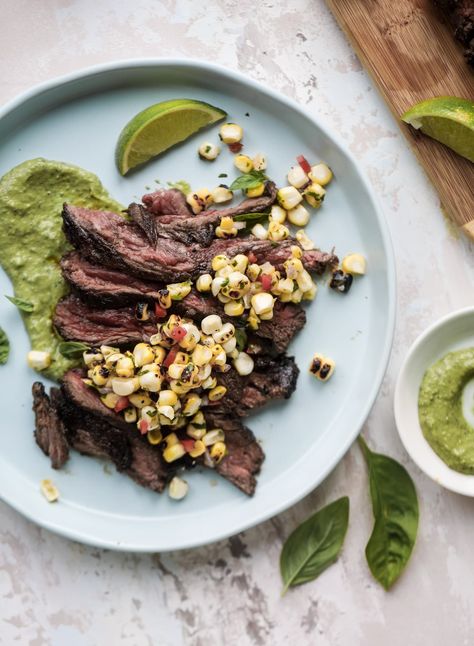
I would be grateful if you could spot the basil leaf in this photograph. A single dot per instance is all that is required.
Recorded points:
(395, 507)
(241, 338)
(181, 185)
(4, 347)
(72, 349)
(315, 544)
(248, 180)
(24, 306)
(250, 217)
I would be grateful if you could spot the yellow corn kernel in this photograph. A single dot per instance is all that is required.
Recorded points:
(256, 191)
(191, 405)
(277, 232)
(306, 243)
(314, 195)
(107, 350)
(293, 267)
(100, 374)
(234, 308)
(209, 383)
(172, 453)
(167, 398)
(218, 451)
(142, 354)
(204, 282)
(125, 367)
(198, 449)
(321, 173)
(217, 393)
(296, 252)
(253, 321)
(110, 400)
(202, 355)
(130, 415)
(253, 271)
(227, 223)
(231, 133)
(49, 491)
(354, 263)
(218, 262)
(311, 293)
(243, 163)
(181, 358)
(155, 436)
(160, 354)
(171, 439)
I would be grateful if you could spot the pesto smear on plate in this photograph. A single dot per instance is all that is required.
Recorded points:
(446, 409)
(32, 242)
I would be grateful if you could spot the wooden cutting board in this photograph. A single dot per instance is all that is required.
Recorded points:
(411, 54)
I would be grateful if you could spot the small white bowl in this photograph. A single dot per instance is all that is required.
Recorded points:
(453, 332)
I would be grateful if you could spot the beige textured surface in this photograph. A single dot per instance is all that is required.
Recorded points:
(55, 592)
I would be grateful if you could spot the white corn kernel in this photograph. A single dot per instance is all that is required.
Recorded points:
(92, 357)
(150, 381)
(314, 195)
(192, 337)
(167, 398)
(254, 271)
(289, 197)
(262, 303)
(277, 232)
(125, 367)
(221, 194)
(175, 370)
(49, 490)
(130, 415)
(156, 338)
(142, 354)
(219, 262)
(277, 214)
(255, 191)
(306, 243)
(160, 354)
(285, 286)
(204, 372)
(297, 296)
(177, 488)
(321, 174)
(311, 293)
(243, 163)
(297, 177)
(230, 345)
(234, 308)
(304, 280)
(166, 411)
(125, 387)
(354, 263)
(244, 364)
(203, 283)
(140, 399)
(199, 200)
(201, 355)
(260, 232)
(226, 332)
(213, 436)
(211, 324)
(230, 133)
(209, 383)
(39, 360)
(239, 262)
(208, 151)
(217, 284)
(150, 415)
(299, 216)
(178, 291)
(259, 162)
(107, 350)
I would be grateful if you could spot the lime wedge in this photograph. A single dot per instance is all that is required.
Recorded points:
(161, 126)
(448, 119)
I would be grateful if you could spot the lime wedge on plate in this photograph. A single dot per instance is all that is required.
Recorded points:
(448, 119)
(161, 126)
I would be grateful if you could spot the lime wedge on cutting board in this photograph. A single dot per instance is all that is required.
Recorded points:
(161, 126)
(448, 119)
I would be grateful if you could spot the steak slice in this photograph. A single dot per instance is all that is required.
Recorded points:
(166, 201)
(106, 238)
(244, 454)
(271, 379)
(76, 321)
(49, 433)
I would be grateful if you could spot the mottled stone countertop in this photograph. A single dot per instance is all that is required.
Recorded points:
(57, 592)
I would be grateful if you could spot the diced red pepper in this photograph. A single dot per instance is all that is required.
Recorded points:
(122, 404)
(252, 257)
(304, 163)
(178, 333)
(160, 312)
(188, 445)
(266, 282)
(170, 357)
(144, 426)
(236, 147)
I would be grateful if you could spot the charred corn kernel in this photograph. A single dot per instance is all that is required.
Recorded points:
(354, 263)
(208, 151)
(201, 355)
(107, 350)
(217, 393)
(299, 216)
(277, 232)
(222, 194)
(226, 233)
(204, 282)
(130, 415)
(306, 243)
(227, 223)
(142, 312)
(259, 162)
(262, 303)
(226, 332)
(229, 346)
(293, 266)
(314, 195)
(253, 321)
(219, 356)
(39, 360)
(155, 339)
(125, 367)
(191, 405)
(175, 370)
(211, 324)
(174, 452)
(167, 398)
(100, 375)
(289, 197)
(166, 411)
(213, 436)
(192, 337)
(140, 399)
(322, 367)
(311, 293)
(297, 177)
(234, 308)
(195, 204)
(304, 281)
(321, 174)
(230, 133)
(154, 436)
(209, 383)
(178, 291)
(277, 214)
(49, 490)
(259, 231)
(160, 354)
(92, 357)
(218, 262)
(164, 298)
(256, 191)
(244, 364)
(177, 488)
(208, 341)
(110, 400)
(125, 387)
(142, 354)
(243, 163)
(151, 381)
(217, 452)
(198, 449)
(254, 271)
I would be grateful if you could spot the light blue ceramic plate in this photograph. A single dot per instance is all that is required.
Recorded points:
(77, 119)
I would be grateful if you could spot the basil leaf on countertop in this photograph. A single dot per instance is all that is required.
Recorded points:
(396, 513)
(4, 347)
(248, 180)
(24, 306)
(315, 544)
(72, 349)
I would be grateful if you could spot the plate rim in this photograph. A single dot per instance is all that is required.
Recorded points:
(259, 87)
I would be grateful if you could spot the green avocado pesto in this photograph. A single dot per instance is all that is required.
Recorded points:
(444, 403)
(32, 241)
